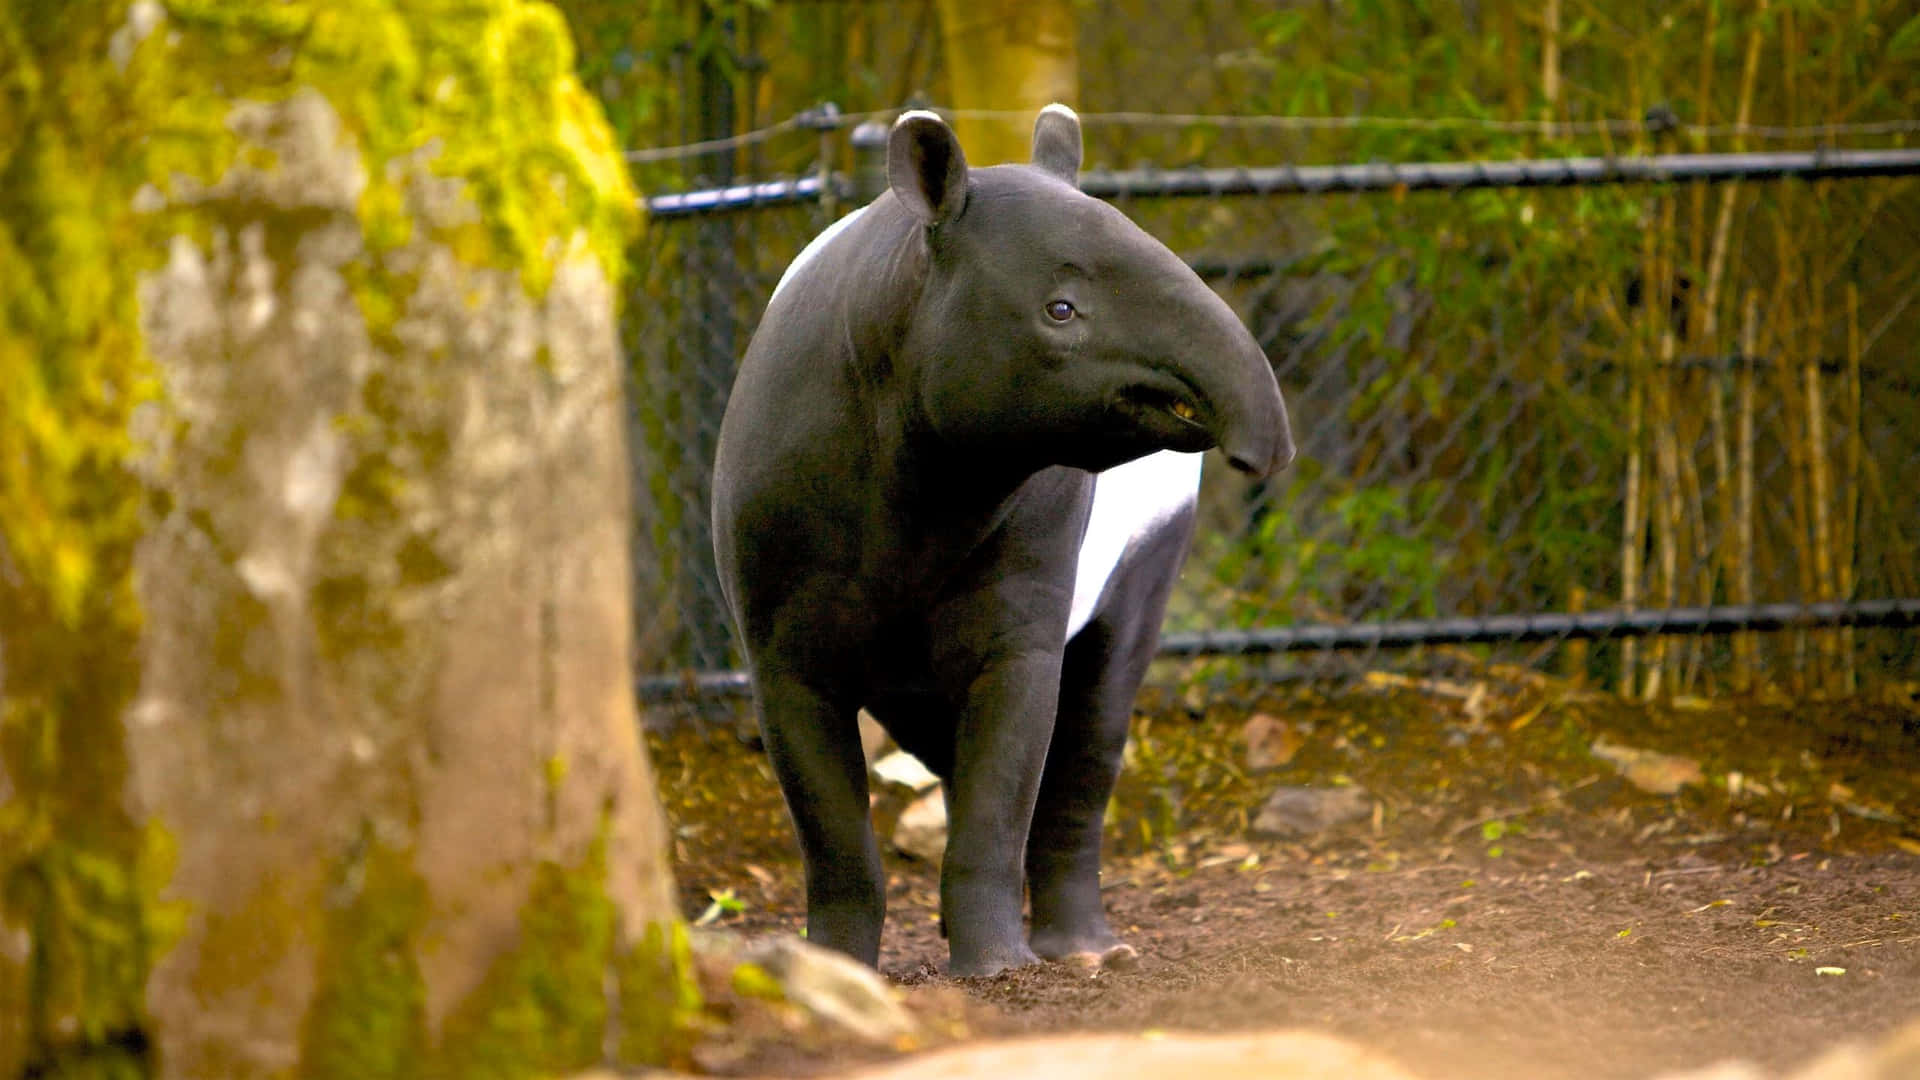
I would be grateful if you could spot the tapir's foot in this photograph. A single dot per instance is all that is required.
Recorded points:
(991, 961)
(1116, 957)
(1098, 950)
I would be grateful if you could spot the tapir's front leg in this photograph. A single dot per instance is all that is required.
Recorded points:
(999, 752)
(1099, 677)
(814, 746)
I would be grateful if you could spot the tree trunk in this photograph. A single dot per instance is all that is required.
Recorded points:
(318, 752)
(1012, 56)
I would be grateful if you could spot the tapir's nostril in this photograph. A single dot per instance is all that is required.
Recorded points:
(1245, 466)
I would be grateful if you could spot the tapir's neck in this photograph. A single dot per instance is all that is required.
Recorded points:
(880, 376)
(867, 421)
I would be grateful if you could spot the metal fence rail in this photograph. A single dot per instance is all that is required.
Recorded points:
(1371, 177)
(1663, 398)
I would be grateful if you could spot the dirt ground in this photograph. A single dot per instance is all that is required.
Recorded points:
(1513, 906)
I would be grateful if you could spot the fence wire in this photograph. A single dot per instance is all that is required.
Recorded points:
(1651, 435)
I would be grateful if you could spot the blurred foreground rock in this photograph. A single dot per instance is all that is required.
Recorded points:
(317, 743)
(1896, 1057)
(836, 989)
(1291, 1055)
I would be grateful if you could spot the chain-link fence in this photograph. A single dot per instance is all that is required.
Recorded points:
(1652, 423)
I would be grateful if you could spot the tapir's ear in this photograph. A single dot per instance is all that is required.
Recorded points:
(925, 167)
(1056, 142)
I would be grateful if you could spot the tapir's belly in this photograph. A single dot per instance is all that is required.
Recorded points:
(1130, 502)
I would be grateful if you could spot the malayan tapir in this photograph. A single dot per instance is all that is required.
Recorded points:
(954, 483)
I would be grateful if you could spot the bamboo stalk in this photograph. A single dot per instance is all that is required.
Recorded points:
(1850, 514)
(1790, 265)
(1573, 660)
(1723, 225)
(1663, 665)
(1723, 495)
(1744, 644)
(1820, 483)
(1550, 65)
(1703, 103)
(1634, 523)
(1717, 258)
(1701, 565)
(1631, 536)
(1786, 329)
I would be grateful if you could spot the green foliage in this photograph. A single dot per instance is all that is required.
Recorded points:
(1377, 546)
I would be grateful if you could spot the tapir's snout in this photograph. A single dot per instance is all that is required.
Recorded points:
(1249, 417)
(1190, 331)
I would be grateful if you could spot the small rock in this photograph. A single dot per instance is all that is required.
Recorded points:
(873, 737)
(1269, 742)
(1649, 770)
(922, 829)
(835, 989)
(1303, 811)
(906, 770)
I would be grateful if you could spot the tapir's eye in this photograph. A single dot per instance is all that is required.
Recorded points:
(1059, 311)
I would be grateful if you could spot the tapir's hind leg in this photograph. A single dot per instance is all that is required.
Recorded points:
(814, 747)
(1100, 674)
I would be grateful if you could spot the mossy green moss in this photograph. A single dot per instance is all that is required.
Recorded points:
(542, 1009)
(75, 870)
(368, 1015)
(753, 981)
(660, 1000)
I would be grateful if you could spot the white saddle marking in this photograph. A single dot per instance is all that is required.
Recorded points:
(1129, 501)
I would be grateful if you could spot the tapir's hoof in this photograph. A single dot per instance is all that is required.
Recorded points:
(1116, 957)
(993, 963)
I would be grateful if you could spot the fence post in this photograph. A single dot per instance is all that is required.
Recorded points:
(711, 283)
(869, 142)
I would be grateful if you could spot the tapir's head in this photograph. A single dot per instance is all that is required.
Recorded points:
(1049, 324)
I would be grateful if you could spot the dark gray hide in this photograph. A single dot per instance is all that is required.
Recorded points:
(905, 474)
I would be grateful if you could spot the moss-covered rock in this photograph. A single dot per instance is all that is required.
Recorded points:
(312, 544)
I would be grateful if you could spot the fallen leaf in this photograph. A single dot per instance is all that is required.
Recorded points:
(1649, 770)
(1527, 717)
(1269, 742)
